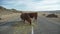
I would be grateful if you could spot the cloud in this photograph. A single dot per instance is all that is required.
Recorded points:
(33, 5)
(43, 5)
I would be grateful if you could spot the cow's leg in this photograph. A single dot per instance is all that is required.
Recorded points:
(29, 20)
(24, 21)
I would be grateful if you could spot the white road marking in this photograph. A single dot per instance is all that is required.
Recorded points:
(32, 32)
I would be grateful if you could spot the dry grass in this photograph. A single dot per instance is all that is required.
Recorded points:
(8, 17)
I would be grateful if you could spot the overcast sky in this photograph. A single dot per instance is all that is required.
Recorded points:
(31, 5)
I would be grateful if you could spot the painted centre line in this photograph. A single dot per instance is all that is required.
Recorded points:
(32, 32)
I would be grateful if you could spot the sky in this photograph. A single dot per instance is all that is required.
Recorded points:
(31, 5)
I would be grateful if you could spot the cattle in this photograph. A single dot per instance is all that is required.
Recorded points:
(33, 15)
(27, 16)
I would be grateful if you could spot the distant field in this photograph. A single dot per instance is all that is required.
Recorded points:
(54, 19)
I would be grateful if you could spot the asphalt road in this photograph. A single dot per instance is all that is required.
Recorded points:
(46, 26)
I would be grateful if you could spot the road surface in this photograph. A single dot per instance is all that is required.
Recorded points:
(46, 26)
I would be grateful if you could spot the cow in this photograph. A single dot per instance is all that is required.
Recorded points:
(28, 16)
(33, 15)
(25, 16)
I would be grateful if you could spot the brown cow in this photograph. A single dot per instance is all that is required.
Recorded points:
(33, 15)
(25, 16)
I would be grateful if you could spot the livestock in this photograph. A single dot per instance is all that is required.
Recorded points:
(25, 16)
(28, 16)
(33, 15)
